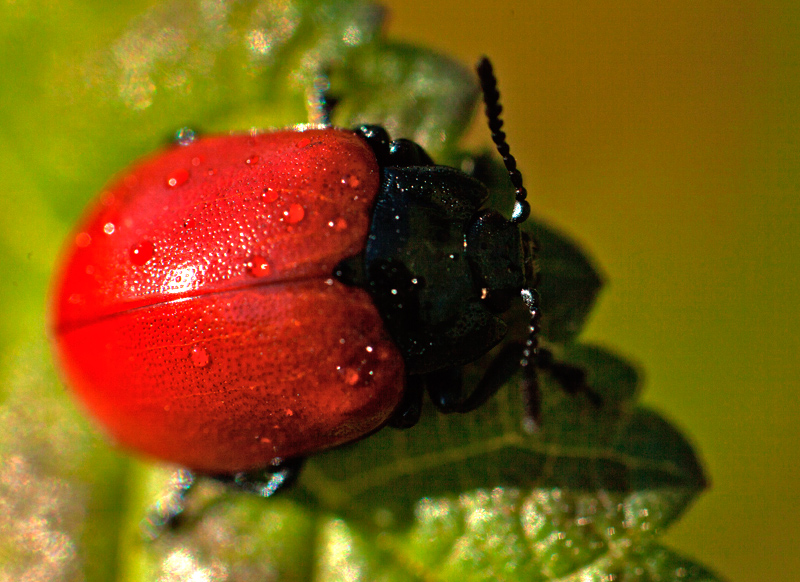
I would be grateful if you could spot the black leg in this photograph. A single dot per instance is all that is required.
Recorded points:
(497, 375)
(266, 482)
(571, 379)
(407, 413)
(445, 387)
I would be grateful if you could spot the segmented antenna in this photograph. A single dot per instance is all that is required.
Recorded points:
(491, 97)
(522, 209)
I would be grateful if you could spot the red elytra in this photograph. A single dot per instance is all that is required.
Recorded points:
(189, 311)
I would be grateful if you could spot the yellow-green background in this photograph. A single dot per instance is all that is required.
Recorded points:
(664, 136)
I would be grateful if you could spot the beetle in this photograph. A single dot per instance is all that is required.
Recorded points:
(237, 303)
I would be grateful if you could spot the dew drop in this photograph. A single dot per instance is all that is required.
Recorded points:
(303, 142)
(189, 223)
(83, 239)
(340, 224)
(142, 252)
(109, 228)
(289, 412)
(352, 181)
(212, 171)
(295, 214)
(252, 160)
(184, 136)
(177, 178)
(75, 299)
(269, 195)
(200, 357)
(259, 267)
(196, 161)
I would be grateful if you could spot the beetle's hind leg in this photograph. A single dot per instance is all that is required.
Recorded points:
(279, 475)
(167, 514)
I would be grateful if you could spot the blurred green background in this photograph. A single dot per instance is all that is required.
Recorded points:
(665, 137)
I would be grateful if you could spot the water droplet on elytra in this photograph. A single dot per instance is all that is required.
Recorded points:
(259, 267)
(197, 160)
(142, 252)
(178, 177)
(269, 195)
(252, 160)
(83, 239)
(200, 357)
(295, 214)
(109, 228)
(184, 136)
(303, 142)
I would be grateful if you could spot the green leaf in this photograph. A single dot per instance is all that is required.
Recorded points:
(381, 81)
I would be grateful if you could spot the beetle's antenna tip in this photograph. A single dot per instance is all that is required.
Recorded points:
(491, 98)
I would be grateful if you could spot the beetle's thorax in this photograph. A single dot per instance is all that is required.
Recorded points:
(439, 267)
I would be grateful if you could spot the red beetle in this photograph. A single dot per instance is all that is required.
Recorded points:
(197, 315)
(236, 303)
